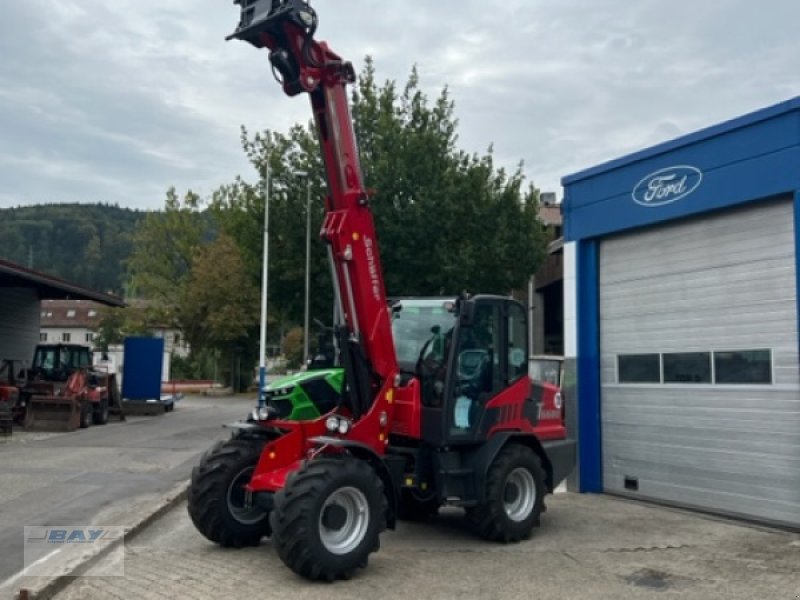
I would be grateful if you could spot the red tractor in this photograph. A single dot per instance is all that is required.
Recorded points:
(437, 407)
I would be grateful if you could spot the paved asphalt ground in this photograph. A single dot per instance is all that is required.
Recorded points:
(101, 474)
(587, 547)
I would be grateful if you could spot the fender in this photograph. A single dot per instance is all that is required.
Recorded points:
(482, 458)
(388, 468)
(250, 430)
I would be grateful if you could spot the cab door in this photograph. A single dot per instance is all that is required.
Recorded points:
(490, 387)
(477, 373)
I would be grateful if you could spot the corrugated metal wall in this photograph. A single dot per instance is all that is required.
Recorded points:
(19, 322)
(719, 282)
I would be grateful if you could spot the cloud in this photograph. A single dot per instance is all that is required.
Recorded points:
(117, 101)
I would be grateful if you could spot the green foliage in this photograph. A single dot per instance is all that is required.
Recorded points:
(238, 209)
(219, 302)
(292, 347)
(447, 221)
(85, 244)
(164, 244)
(117, 323)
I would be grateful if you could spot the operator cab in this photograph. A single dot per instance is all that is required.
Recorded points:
(455, 349)
(56, 362)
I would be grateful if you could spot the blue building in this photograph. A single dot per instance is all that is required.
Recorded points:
(681, 312)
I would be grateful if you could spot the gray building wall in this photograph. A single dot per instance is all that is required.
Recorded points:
(19, 322)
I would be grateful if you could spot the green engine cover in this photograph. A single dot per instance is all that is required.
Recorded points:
(306, 395)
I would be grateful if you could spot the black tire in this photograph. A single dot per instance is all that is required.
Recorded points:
(86, 414)
(509, 513)
(415, 508)
(329, 489)
(100, 412)
(216, 499)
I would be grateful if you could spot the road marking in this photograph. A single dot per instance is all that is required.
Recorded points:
(11, 580)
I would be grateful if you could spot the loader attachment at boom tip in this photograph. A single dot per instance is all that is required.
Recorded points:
(268, 17)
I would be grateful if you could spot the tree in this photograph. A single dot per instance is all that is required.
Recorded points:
(238, 208)
(117, 323)
(85, 244)
(447, 221)
(219, 305)
(164, 245)
(292, 347)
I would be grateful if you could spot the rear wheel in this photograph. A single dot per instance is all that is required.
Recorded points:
(514, 496)
(328, 517)
(217, 500)
(100, 413)
(86, 414)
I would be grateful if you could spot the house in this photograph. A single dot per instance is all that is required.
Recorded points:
(78, 322)
(69, 321)
(546, 289)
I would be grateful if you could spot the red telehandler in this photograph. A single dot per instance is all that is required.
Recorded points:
(437, 408)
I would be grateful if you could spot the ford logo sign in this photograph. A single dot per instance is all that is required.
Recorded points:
(667, 185)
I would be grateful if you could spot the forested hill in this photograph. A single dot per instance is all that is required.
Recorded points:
(85, 244)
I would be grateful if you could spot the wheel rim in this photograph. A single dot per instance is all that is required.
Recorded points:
(236, 499)
(343, 520)
(519, 495)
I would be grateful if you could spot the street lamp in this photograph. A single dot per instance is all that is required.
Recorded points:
(308, 263)
(262, 363)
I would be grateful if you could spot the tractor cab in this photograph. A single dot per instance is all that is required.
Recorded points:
(56, 362)
(467, 354)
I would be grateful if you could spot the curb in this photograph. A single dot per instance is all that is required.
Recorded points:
(164, 504)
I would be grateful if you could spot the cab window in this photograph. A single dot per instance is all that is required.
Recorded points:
(517, 343)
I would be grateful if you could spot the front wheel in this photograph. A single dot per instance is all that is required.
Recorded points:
(328, 517)
(217, 500)
(514, 496)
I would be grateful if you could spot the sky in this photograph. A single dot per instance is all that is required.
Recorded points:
(115, 101)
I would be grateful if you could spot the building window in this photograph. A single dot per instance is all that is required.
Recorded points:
(89, 337)
(66, 337)
(71, 313)
(92, 313)
(43, 337)
(687, 367)
(639, 368)
(177, 340)
(743, 366)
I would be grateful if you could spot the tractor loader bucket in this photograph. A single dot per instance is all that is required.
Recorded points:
(53, 413)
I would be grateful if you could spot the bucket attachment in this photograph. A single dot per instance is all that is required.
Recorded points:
(60, 411)
(53, 413)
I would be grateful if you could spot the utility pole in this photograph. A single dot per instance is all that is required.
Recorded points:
(306, 331)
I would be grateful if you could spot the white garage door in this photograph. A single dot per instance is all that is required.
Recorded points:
(699, 356)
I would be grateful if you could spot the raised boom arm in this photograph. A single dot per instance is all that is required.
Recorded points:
(286, 28)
